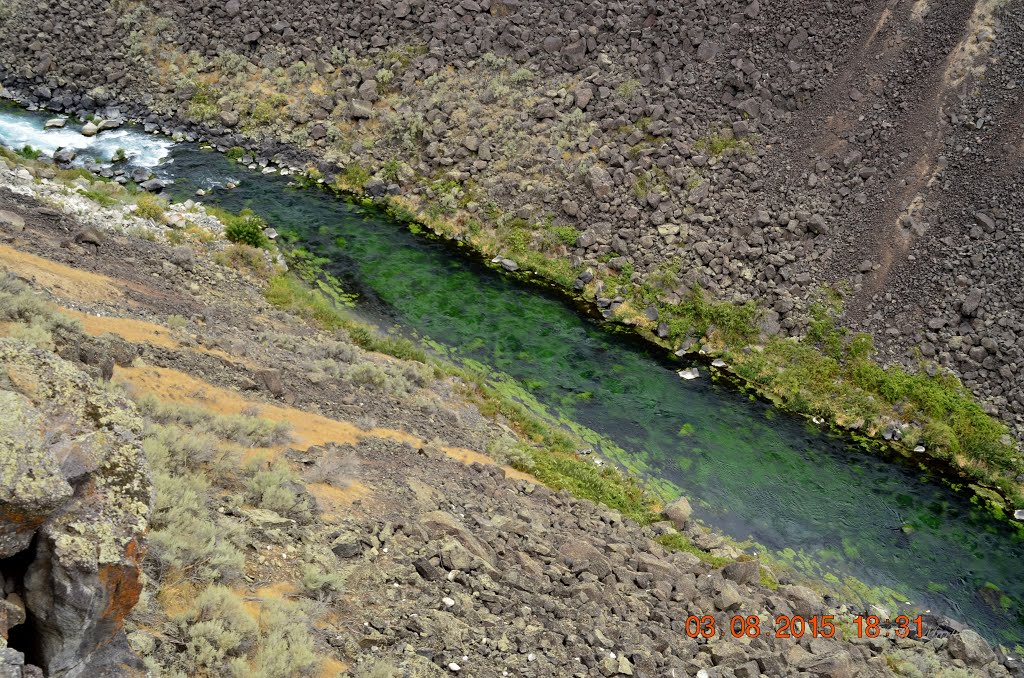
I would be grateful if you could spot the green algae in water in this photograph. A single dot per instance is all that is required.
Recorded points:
(752, 472)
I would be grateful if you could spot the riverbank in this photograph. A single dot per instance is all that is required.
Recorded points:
(596, 165)
(356, 498)
(422, 282)
(828, 374)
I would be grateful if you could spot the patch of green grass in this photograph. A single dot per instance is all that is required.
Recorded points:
(675, 541)
(289, 293)
(831, 374)
(564, 235)
(719, 144)
(29, 153)
(102, 198)
(627, 88)
(697, 315)
(245, 258)
(517, 240)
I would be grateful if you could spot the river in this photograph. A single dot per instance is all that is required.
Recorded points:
(813, 499)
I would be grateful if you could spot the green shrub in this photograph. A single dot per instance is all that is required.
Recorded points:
(284, 648)
(34, 321)
(513, 453)
(391, 170)
(203, 103)
(627, 88)
(517, 241)
(521, 76)
(149, 206)
(368, 374)
(247, 229)
(29, 153)
(34, 333)
(321, 584)
(356, 175)
(238, 428)
(185, 535)
(278, 489)
(334, 467)
(216, 630)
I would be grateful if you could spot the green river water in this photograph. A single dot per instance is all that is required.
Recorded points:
(810, 498)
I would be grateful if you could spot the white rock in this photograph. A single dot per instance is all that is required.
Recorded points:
(89, 129)
(919, 449)
(718, 362)
(1019, 514)
(448, 602)
(454, 668)
(54, 123)
(690, 373)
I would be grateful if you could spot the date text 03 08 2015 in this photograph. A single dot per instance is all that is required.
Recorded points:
(797, 627)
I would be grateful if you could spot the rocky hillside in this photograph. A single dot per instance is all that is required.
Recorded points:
(317, 508)
(763, 151)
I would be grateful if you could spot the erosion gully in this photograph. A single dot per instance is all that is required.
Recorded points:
(804, 497)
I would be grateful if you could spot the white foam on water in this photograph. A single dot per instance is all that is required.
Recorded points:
(18, 130)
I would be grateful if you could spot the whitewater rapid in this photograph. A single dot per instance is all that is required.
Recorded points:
(142, 150)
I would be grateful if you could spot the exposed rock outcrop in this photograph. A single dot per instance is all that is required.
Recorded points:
(74, 501)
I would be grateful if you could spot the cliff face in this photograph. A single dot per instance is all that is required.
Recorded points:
(74, 501)
(759, 149)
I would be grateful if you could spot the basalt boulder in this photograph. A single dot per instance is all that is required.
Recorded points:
(75, 499)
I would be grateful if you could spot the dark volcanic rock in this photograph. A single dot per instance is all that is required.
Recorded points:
(75, 487)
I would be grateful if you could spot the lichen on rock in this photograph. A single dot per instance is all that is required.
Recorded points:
(73, 477)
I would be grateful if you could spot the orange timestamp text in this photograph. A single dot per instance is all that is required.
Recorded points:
(787, 626)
